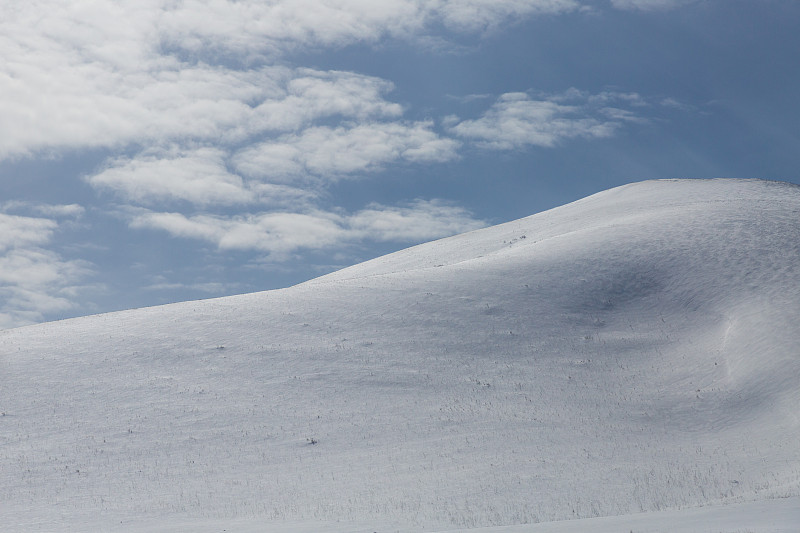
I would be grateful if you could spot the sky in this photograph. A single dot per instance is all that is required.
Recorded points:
(155, 151)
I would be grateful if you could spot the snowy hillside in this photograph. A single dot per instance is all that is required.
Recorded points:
(635, 351)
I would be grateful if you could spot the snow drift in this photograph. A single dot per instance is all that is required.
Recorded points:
(637, 350)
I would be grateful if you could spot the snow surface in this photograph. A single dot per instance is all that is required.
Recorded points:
(633, 353)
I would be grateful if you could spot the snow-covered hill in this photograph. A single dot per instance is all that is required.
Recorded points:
(634, 351)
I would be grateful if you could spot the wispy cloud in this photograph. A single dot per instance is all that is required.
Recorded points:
(419, 221)
(515, 120)
(211, 288)
(200, 113)
(472, 15)
(304, 95)
(112, 74)
(334, 152)
(272, 27)
(282, 233)
(277, 233)
(190, 163)
(650, 5)
(18, 231)
(519, 120)
(34, 281)
(47, 210)
(213, 134)
(150, 73)
(198, 176)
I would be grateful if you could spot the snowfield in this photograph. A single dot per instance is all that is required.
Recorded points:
(630, 361)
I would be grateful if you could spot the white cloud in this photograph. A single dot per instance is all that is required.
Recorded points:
(474, 15)
(34, 281)
(65, 97)
(82, 105)
(649, 5)
(306, 95)
(48, 210)
(289, 101)
(275, 233)
(516, 120)
(177, 82)
(20, 232)
(199, 176)
(124, 32)
(257, 26)
(68, 210)
(200, 109)
(288, 169)
(283, 233)
(210, 288)
(421, 221)
(273, 26)
(326, 151)
(114, 74)
(55, 99)
(110, 74)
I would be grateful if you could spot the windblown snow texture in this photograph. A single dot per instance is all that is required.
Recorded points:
(637, 350)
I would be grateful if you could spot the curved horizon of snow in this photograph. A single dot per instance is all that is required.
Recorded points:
(634, 351)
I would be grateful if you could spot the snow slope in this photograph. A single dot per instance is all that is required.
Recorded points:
(635, 351)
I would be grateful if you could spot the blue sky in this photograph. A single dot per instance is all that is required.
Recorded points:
(154, 151)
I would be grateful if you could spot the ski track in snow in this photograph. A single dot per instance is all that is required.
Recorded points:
(632, 352)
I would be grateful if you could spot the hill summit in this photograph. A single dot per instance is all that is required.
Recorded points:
(633, 351)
